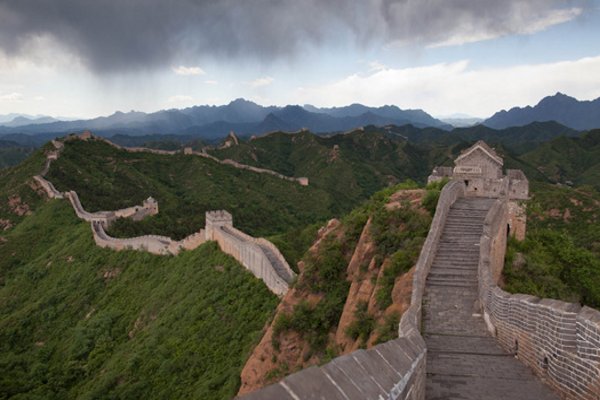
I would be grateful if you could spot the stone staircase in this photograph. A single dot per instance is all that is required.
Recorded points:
(463, 359)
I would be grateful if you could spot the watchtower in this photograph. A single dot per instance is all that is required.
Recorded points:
(215, 220)
(480, 168)
(151, 205)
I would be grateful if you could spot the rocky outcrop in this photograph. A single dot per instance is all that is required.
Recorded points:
(272, 357)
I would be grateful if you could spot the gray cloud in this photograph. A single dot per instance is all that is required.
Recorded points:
(117, 35)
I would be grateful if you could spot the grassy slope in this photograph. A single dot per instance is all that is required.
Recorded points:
(185, 187)
(176, 327)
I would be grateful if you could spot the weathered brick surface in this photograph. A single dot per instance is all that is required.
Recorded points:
(559, 341)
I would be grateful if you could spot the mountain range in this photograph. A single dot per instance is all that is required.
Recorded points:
(566, 110)
(242, 116)
(248, 118)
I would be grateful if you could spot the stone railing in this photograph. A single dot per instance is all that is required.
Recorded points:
(245, 249)
(559, 341)
(389, 371)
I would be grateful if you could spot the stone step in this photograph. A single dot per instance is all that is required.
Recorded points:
(452, 283)
(459, 247)
(462, 220)
(467, 214)
(464, 239)
(463, 228)
(474, 226)
(457, 259)
(444, 265)
(463, 344)
(448, 255)
(453, 275)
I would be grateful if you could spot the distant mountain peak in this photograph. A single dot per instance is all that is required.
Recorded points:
(241, 100)
(567, 110)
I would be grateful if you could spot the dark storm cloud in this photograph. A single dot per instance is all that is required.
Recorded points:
(116, 35)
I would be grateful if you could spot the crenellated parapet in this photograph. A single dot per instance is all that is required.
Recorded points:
(559, 341)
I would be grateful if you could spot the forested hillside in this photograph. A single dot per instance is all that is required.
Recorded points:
(81, 322)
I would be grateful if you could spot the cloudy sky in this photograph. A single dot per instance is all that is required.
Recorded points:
(87, 58)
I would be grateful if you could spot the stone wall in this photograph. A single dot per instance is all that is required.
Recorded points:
(155, 244)
(48, 187)
(104, 217)
(259, 256)
(249, 252)
(390, 371)
(486, 165)
(303, 181)
(559, 341)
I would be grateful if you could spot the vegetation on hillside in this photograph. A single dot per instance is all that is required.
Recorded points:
(569, 160)
(18, 195)
(560, 257)
(397, 232)
(350, 166)
(78, 321)
(12, 153)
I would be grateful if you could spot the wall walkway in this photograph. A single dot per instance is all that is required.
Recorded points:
(463, 357)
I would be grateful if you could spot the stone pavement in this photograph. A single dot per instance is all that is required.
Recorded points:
(463, 359)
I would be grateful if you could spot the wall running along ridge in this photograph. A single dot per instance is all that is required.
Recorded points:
(259, 256)
(560, 341)
(188, 151)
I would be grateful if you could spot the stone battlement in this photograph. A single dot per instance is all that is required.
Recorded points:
(559, 341)
(219, 217)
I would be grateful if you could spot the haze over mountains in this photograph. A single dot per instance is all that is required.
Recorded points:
(248, 118)
(241, 116)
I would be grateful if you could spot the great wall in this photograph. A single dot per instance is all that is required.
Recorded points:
(462, 336)
(259, 256)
